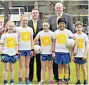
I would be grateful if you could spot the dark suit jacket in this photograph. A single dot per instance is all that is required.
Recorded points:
(53, 21)
(39, 26)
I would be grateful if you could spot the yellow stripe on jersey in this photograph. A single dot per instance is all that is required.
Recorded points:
(46, 40)
(80, 43)
(25, 36)
(61, 38)
(10, 42)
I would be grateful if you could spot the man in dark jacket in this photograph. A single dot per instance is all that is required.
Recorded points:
(36, 25)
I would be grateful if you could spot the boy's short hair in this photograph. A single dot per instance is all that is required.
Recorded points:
(61, 20)
(78, 23)
(34, 9)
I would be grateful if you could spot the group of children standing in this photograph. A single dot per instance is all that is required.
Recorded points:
(20, 44)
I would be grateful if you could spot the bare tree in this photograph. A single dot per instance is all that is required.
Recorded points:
(5, 4)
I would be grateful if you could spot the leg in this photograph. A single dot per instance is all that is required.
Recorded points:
(78, 73)
(66, 72)
(55, 70)
(27, 61)
(5, 72)
(31, 67)
(50, 65)
(38, 65)
(43, 69)
(60, 72)
(11, 73)
(69, 71)
(20, 68)
(84, 72)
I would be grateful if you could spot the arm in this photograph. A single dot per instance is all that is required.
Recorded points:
(2, 43)
(17, 46)
(53, 48)
(75, 48)
(86, 50)
(1, 47)
(17, 49)
(74, 51)
(53, 45)
(36, 39)
(32, 46)
(86, 47)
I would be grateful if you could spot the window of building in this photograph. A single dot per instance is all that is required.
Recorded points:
(14, 11)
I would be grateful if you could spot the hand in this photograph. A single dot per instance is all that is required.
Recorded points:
(32, 53)
(74, 54)
(37, 43)
(53, 54)
(84, 57)
(74, 36)
(18, 52)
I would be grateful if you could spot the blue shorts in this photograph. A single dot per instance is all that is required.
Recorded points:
(62, 58)
(45, 57)
(25, 52)
(9, 59)
(79, 61)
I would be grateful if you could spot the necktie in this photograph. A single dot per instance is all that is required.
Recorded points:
(58, 17)
(35, 26)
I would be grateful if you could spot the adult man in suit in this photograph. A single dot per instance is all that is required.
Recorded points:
(36, 24)
(53, 26)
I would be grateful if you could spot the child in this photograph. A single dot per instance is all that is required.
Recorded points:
(81, 52)
(25, 35)
(61, 51)
(9, 42)
(45, 37)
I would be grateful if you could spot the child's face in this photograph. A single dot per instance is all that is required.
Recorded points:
(45, 25)
(61, 25)
(24, 21)
(10, 26)
(79, 28)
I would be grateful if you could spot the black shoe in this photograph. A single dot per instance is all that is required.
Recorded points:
(78, 82)
(85, 83)
(68, 79)
(38, 80)
(31, 80)
(56, 80)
